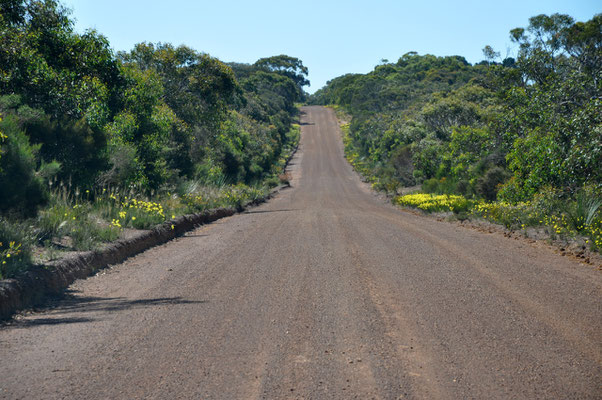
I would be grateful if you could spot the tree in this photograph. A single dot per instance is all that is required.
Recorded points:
(289, 66)
(12, 11)
(555, 125)
(197, 87)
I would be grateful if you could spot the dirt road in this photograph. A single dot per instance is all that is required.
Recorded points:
(324, 292)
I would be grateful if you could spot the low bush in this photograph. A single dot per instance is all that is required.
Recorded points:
(15, 253)
(435, 203)
(489, 184)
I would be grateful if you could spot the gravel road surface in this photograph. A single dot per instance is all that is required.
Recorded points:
(324, 292)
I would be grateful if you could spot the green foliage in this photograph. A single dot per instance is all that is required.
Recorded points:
(583, 211)
(15, 252)
(398, 85)
(513, 131)
(22, 189)
(290, 67)
(53, 67)
(554, 119)
(491, 130)
(92, 143)
(197, 87)
(65, 84)
(489, 184)
(405, 115)
(149, 117)
(204, 198)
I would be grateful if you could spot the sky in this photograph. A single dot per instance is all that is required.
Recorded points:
(332, 38)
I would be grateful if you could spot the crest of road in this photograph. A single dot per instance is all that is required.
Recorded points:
(326, 291)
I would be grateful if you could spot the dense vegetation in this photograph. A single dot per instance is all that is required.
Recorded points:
(93, 141)
(525, 131)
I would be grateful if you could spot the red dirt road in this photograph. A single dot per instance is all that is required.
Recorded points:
(324, 292)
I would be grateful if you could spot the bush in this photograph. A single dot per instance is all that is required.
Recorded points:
(81, 223)
(512, 216)
(439, 186)
(583, 211)
(489, 184)
(433, 203)
(15, 255)
(22, 189)
(124, 166)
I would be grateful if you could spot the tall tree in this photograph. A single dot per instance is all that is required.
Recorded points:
(291, 67)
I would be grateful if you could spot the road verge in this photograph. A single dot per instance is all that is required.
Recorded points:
(33, 286)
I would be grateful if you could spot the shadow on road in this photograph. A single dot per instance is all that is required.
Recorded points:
(57, 311)
(28, 323)
(267, 211)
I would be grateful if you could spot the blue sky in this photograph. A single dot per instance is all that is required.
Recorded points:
(331, 37)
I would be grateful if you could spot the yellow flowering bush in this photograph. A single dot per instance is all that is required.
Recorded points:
(510, 215)
(82, 219)
(139, 214)
(196, 202)
(12, 249)
(594, 233)
(513, 216)
(435, 203)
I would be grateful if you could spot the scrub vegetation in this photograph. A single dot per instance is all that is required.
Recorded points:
(94, 142)
(517, 141)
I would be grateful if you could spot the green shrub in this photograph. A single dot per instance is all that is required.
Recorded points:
(512, 216)
(561, 215)
(489, 184)
(15, 254)
(272, 181)
(22, 189)
(583, 211)
(439, 186)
